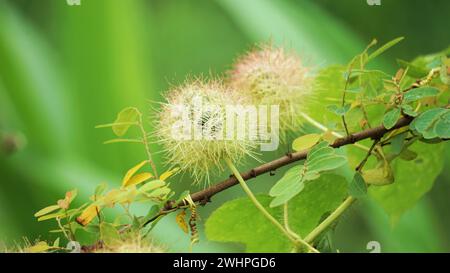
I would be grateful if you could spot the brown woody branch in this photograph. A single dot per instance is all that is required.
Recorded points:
(204, 196)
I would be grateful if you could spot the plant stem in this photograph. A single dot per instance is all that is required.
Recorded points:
(261, 208)
(147, 146)
(286, 222)
(329, 220)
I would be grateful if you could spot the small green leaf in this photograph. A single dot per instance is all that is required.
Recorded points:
(326, 163)
(383, 48)
(46, 210)
(408, 155)
(61, 214)
(408, 110)
(287, 195)
(419, 93)
(340, 111)
(414, 70)
(391, 117)
(291, 177)
(305, 142)
(127, 115)
(357, 188)
(397, 143)
(56, 243)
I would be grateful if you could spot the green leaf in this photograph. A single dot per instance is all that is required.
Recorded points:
(432, 123)
(357, 188)
(305, 142)
(412, 180)
(419, 93)
(414, 70)
(320, 158)
(109, 234)
(241, 222)
(391, 117)
(442, 126)
(127, 116)
(383, 48)
(408, 155)
(326, 163)
(340, 111)
(46, 210)
(397, 143)
(408, 110)
(291, 177)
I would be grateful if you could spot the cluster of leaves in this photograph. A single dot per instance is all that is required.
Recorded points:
(137, 187)
(321, 158)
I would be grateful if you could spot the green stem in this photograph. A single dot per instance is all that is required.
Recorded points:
(261, 208)
(147, 146)
(329, 220)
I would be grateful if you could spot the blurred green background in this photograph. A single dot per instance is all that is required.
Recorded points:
(65, 69)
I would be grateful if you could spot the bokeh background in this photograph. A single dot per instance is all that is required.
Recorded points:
(65, 69)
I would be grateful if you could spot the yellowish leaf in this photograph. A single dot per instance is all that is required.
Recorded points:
(60, 214)
(46, 210)
(180, 218)
(152, 185)
(38, 248)
(128, 195)
(305, 142)
(124, 120)
(137, 179)
(168, 174)
(132, 171)
(111, 198)
(87, 215)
